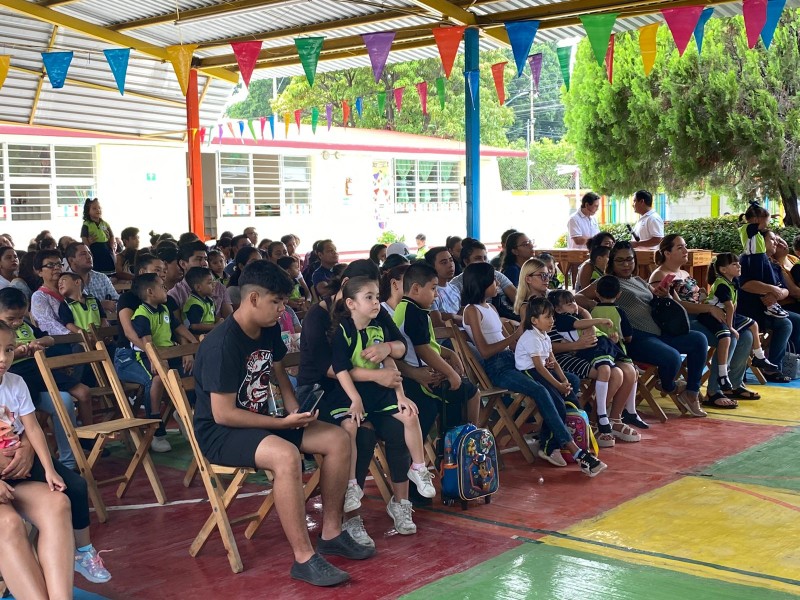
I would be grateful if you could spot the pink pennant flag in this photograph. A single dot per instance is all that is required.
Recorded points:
(297, 114)
(263, 122)
(681, 22)
(246, 54)
(378, 46)
(422, 90)
(398, 98)
(610, 59)
(202, 134)
(755, 17)
(329, 114)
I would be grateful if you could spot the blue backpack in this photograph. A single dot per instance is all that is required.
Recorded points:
(469, 468)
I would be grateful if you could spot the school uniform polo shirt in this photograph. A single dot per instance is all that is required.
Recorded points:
(154, 321)
(82, 314)
(199, 310)
(649, 226)
(416, 326)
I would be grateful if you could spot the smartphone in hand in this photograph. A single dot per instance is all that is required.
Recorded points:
(667, 281)
(310, 402)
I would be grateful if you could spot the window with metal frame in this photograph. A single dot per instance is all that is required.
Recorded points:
(426, 185)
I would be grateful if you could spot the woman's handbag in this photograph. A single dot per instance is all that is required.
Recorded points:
(670, 316)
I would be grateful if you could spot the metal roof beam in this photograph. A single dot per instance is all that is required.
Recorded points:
(576, 8)
(460, 16)
(41, 75)
(192, 14)
(47, 15)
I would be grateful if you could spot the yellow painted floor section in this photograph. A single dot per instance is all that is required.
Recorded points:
(736, 531)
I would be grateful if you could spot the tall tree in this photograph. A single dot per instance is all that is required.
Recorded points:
(725, 121)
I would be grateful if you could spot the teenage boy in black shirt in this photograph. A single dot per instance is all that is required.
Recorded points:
(233, 425)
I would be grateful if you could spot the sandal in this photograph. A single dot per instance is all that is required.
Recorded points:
(720, 400)
(606, 440)
(691, 404)
(777, 377)
(624, 432)
(742, 393)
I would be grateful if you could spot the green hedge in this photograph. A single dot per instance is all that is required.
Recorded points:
(718, 234)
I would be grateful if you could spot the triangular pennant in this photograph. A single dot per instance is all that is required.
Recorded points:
(382, 103)
(308, 50)
(422, 90)
(564, 58)
(263, 122)
(774, 12)
(241, 131)
(219, 134)
(329, 114)
(297, 114)
(359, 106)
(181, 59)
(448, 39)
(57, 64)
(598, 30)
(5, 65)
(210, 132)
(378, 46)
(700, 28)
(498, 73)
(536, 69)
(647, 46)
(246, 54)
(202, 135)
(287, 119)
(755, 17)
(681, 22)
(314, 119)
(473, 83)
(398, 98)
(117, 59)
(272, 125)
(251, 126)
(230, 128)
(521, 35)
(440, 91)
(345, 112)
(610, 59)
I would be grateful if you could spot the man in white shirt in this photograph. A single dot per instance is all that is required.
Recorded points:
(649, 229)
(582, 225)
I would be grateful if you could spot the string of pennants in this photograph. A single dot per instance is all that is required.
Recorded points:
(760, 18)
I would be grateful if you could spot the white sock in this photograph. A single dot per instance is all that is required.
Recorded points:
(418, 466)
(601, 397)
(630, 402)
(723, 370)
(352, 482)
(759, 353)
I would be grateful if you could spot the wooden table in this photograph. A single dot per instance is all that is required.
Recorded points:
(699, 261)
(568, 260)
(646, 259)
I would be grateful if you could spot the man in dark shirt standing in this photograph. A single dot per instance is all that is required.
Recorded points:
(237, 425)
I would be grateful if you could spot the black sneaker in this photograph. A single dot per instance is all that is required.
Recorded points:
(418, 499)
(318, 571)
(344, 545)
(633, 419)
(764, 364)
(725, 384)
(591, 465)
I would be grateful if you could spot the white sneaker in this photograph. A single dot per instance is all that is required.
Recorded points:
(160, 444)
(90, 565)
(554, 458)
(352, 498)
(355, 527)
(423, 479)
(401, 515)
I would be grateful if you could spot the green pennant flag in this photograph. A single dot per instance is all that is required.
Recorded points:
(440, 91)
(308, 50)
(598, 30)
(252, 129)
(314, 119)
(564, 57)
(382, 103)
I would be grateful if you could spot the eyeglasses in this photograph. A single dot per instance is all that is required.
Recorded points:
(542, 275)
(528, 243)
(52, 265)
(629, 259)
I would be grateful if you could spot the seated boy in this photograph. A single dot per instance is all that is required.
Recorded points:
(300, 295)
(29, 339)
(199, 307)
(78, 311)
(452, 388)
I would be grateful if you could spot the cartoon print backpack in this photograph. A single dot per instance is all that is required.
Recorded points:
(578, 426)
(469, 468)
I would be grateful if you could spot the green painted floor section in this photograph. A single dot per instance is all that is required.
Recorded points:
(537, 571)
(771, 464)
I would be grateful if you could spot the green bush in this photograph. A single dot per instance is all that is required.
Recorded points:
(390, 237)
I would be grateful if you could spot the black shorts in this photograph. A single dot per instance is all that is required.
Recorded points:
(448, 400)
(335, 404)
(236, 447)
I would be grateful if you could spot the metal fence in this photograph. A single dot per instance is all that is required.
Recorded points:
(514, 175)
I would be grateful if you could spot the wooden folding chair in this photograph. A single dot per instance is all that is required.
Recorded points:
(219, 496)
(494, 397)
(645, 387)
(139, 431)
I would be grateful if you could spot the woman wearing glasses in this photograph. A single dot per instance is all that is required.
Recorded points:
(518, 249)
(46, 300)
(649, 345)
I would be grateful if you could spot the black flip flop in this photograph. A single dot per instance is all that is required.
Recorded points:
(742, 393)
(711, 402)
(777, 377)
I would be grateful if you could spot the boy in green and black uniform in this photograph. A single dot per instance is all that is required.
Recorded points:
(199, 309)
(78, 312)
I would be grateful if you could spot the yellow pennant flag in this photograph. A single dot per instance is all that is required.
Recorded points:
(5, 64)
(286, 119)
(181, 59)
(647, 46)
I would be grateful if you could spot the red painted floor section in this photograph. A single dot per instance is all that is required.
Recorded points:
(151, 559)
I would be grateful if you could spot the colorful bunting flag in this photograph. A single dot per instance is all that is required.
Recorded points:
(647, 46)
(329, 114)
(681, 22)
(241, 131)
(230, 128)
(308, 50)
(564, 58)
(202, 135)
(287, 118)
(536, 69)
(382, 103)
(314, 119)
(378, 46)
(440, 91)
(448, 39)
(610, 59)
(521, 35)
(755, 17)
(263, 122)
(5, 65)
(219, 135)
(181, 59)
(57, 64)
(117, 59)
(473, 84)
(398, 98)
(345, 112)
(774, 12)
(297, 114)
(359, 106)
(700, 28)
(598, 30)
(422, 90)
(246, 54)
(272, 125)
(252, 128)
(498, 73)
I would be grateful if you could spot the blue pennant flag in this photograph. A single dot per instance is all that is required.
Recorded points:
(57, 64)
(774, 12)
(118, 61)
(272, 125)
(521, 34)
(473, 83)
(699, 29)
(359, 106)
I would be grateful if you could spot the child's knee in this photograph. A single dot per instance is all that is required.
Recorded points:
(603, 373)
